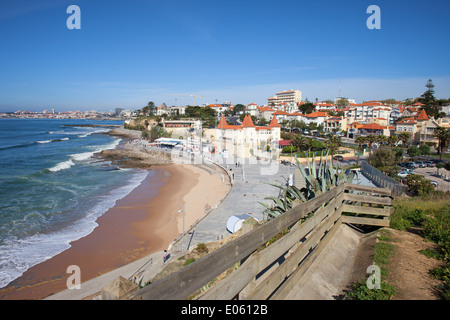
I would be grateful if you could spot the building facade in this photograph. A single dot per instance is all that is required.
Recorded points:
(289, 97)
(245, 140)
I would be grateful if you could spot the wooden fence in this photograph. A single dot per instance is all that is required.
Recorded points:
(270, 272)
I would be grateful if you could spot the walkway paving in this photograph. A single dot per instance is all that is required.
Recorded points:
(250, 186)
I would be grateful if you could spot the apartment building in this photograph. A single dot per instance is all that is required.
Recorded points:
(288, 98)
(367, 110)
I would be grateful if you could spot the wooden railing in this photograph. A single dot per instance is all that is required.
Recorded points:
(270, 272)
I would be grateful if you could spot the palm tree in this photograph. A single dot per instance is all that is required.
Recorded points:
(333, 144)
(392, 140)
(360, 141)
(381, 139)
(371, 139)
(301, 142)
(443, 136)
(404, 137)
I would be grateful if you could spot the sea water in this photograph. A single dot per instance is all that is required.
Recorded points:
(52, 189)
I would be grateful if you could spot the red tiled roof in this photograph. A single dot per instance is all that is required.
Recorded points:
(248, 121)
(280, 112)
(407, 121)
(285, 142)
(372, 126)
(423, 115)
(316, 114)
(274, 123)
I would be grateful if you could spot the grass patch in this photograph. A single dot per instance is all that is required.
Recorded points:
(431, 216)
(188, 261)
(360, 291)
(383, 250)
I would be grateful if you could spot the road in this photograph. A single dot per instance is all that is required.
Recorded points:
(430, 174)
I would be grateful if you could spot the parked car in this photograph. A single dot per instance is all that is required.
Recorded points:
(338, 158)
(402, 164)
(411, 165)
(430, 163)
(420, 164)
(403, 173)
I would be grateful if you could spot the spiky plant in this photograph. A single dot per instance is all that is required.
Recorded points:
(318, 178)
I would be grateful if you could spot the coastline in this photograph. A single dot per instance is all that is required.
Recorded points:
(144, 222)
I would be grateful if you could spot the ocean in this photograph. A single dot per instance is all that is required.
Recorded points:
(51, 188)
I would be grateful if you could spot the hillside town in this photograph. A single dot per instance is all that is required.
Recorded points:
(342, 117)
(286, 109)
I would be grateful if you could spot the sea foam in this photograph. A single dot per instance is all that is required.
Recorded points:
(62, 165)
(18, 255)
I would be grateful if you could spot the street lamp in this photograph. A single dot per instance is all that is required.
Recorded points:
(182, 240)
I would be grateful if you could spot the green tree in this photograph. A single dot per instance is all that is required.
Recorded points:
(431, 106)
(360, 141)
(333, 144)
(424, 149)
(382, 159)
(404, 137)
(443, 135)
(342, 103)
(307, 108)
(262, 121)
(392, 140)
(150, 107)
(413, 151)
(238, 108)
(418, 185)
(301, 142)
(371, 139)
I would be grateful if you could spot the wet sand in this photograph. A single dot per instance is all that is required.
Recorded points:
(144, 222)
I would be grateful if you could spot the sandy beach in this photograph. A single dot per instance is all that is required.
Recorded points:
(144, 222)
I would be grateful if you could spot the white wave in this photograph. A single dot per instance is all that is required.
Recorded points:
(62, 165)
(107, 146)
(85, 134)
(44, 141)
(64, 139)
(18, 255)
(82, 156)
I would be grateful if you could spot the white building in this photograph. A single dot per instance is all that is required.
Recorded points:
(245, 140)
(289, 97)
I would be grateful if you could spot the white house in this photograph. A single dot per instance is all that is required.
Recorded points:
(245, 140)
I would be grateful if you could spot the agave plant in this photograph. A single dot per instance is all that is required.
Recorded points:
(319, 179)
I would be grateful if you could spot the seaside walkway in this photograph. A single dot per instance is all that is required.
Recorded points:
(250, 185)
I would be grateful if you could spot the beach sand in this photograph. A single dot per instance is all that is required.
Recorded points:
(144, 222)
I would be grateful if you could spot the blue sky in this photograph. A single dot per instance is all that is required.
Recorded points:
(130, 52)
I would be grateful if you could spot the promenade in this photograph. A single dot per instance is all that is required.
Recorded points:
(250, 185)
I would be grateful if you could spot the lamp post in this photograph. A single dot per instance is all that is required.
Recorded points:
(182, 239)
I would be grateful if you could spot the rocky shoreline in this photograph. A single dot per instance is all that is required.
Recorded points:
(129, 155)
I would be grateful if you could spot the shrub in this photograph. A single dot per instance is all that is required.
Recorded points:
(202, 248)
(289, 149)
(360, 291)
(413, 151)
(382, 158)
(418, 185)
